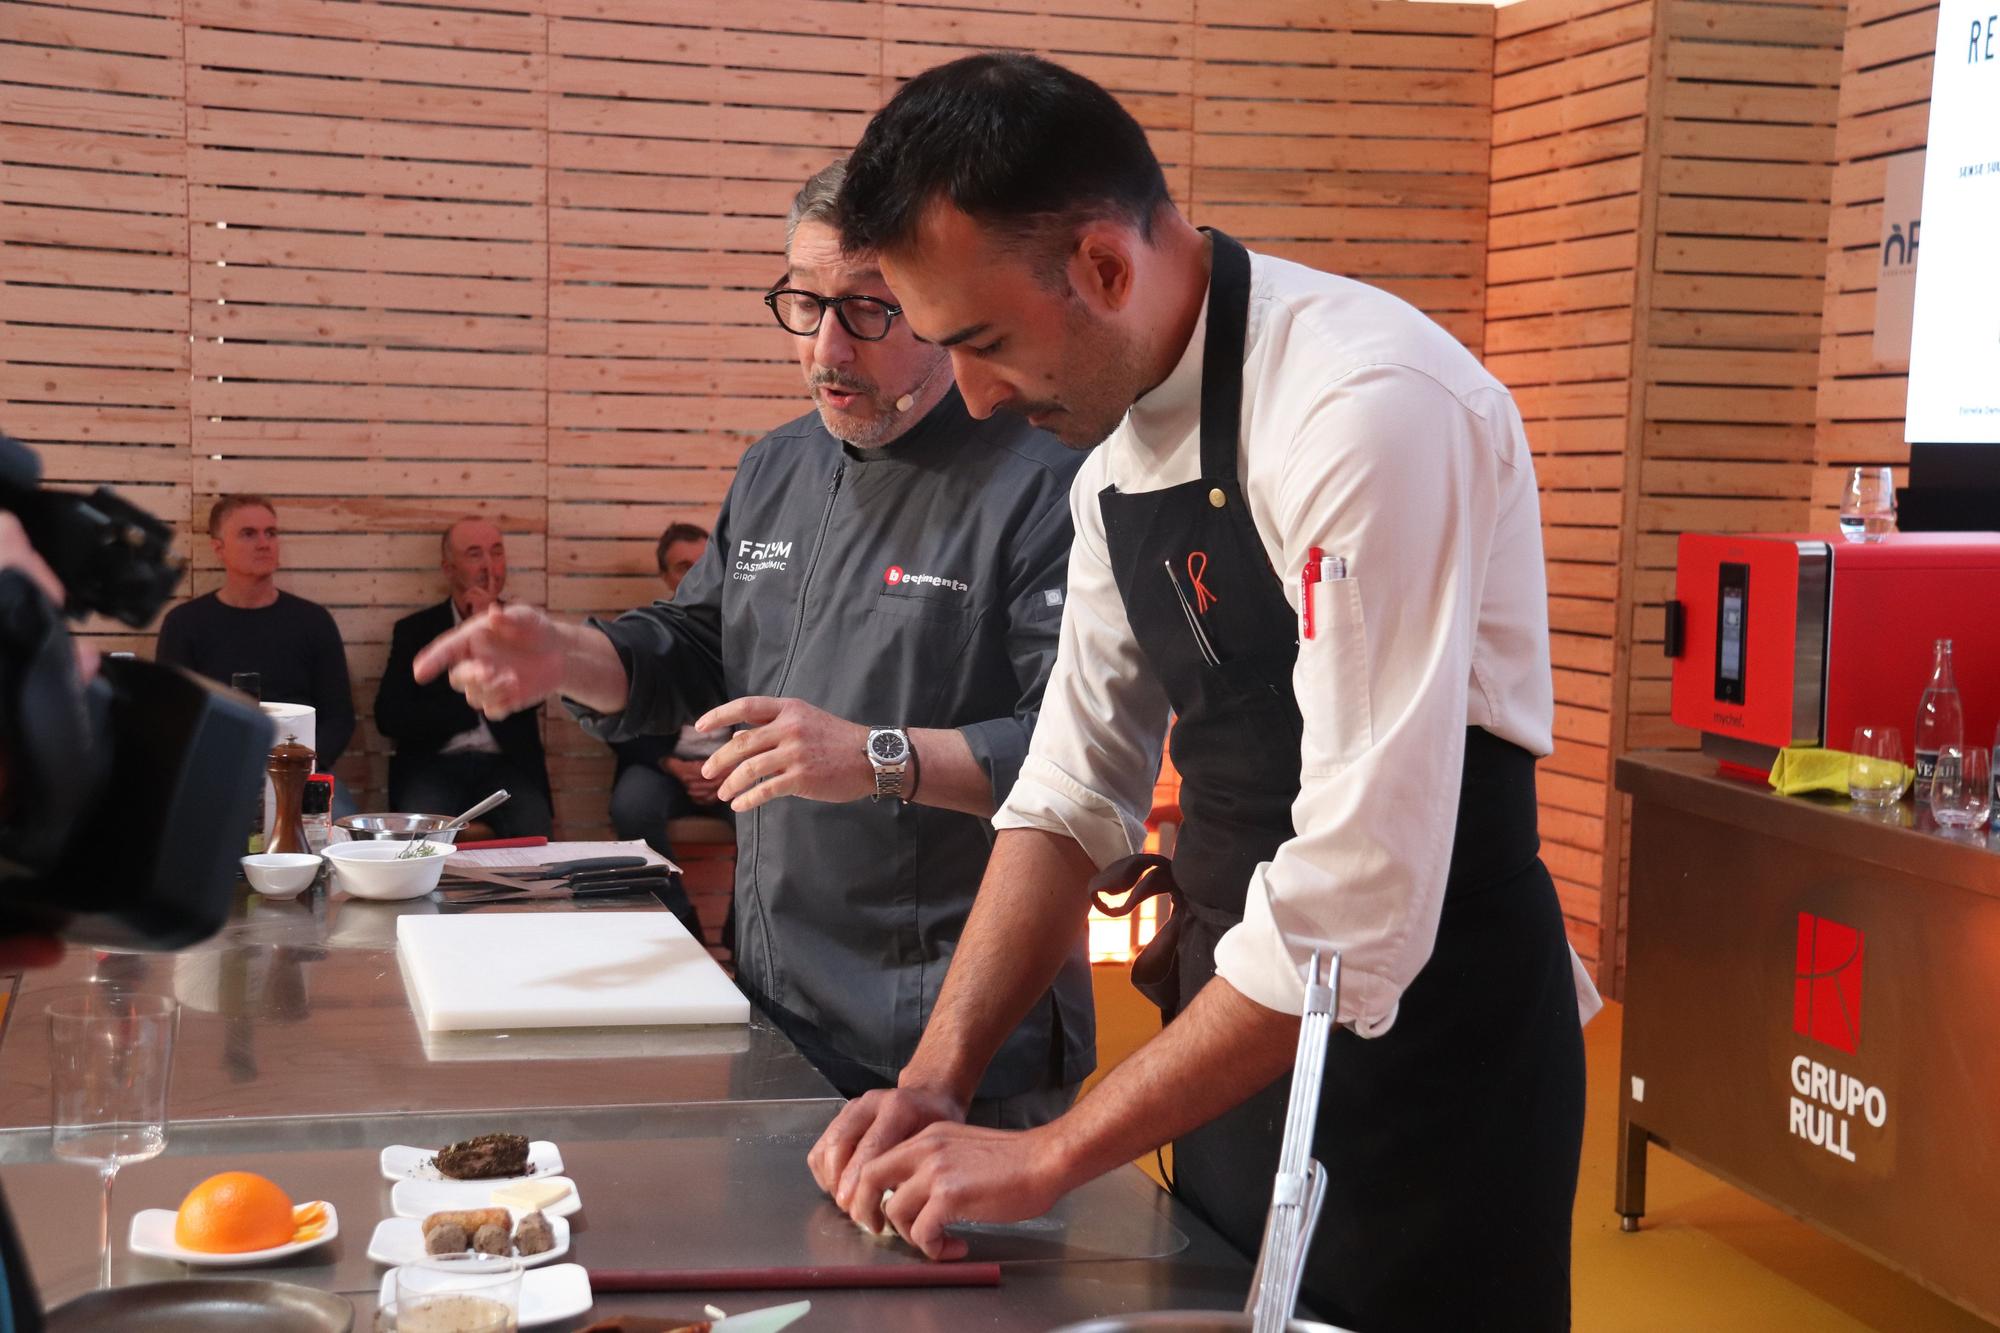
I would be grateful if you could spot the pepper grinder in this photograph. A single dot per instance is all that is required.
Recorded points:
(289, 766)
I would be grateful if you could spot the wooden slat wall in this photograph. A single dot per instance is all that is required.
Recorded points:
(1884, 111)
(504, 258)
(1570, 94)
(93, 250)
(1741, 176)
(369, 295)
(1661, 177)
(1353, 137)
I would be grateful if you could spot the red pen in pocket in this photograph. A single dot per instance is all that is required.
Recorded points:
(1308, 578)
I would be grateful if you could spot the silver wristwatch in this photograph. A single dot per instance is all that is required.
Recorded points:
(889, 756)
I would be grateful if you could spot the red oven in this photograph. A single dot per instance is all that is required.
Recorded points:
(1788, 639)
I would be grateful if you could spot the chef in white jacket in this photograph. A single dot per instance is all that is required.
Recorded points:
(1311, 537)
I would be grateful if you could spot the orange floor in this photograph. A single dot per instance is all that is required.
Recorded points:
(1709, 1258)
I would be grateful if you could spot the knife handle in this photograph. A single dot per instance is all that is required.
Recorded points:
(560, 869)
(582, 877)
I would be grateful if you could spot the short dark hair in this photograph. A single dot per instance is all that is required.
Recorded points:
(1016, 142)
(219, 512)
(677, 532)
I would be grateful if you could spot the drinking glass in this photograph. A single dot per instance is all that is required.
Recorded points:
(111, 1057)
(459, 1293)
(1868, 505)
(1875, 766)
(1961, 787)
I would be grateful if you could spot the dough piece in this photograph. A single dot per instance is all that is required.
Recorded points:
(448, 1238)
(533, 1235)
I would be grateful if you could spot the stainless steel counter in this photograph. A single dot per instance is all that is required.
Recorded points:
(299, 1009)
(299, 1059)
(675, 1187)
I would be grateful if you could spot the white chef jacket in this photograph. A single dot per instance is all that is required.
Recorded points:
(1367, 431)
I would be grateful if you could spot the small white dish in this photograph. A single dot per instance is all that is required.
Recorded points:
(421, 1198)
(402, 1162)
(152, 1235)
(400, 1240)
(281, 874)
(560, 1291)
(380, 871)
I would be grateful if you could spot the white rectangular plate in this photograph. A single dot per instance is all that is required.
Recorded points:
(402, 1162)
(421, 1198)
(561, 1291)
(400, 1240)
(152, 1235)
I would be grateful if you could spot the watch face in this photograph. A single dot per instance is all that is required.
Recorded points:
(887, 747)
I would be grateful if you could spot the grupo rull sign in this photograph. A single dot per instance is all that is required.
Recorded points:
(1826, 1101)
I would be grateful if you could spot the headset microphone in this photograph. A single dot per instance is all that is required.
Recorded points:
(909, 400)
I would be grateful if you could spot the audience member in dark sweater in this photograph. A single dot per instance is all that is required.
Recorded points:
(249, 625)
(447, 756)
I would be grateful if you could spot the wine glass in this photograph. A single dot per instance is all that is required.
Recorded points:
(1868, 505)
(111, 1056)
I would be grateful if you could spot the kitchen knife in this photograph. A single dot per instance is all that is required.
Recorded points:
(526, 875)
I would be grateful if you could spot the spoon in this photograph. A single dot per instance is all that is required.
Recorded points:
(475, 812)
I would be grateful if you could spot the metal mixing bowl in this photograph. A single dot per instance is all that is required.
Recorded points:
(204, 1305)
(371, 828)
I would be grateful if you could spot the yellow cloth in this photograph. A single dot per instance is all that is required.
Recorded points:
(1804, 768)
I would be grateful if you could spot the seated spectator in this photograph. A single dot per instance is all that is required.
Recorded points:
(249, 625)
(659, 777)
(447, 756)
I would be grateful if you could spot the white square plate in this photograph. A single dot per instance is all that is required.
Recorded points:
(152, 1235)
(400, 1240)
(402, 1162)
(561, 1291)
(421, 1198)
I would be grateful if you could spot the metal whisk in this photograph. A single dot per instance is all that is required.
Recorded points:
(1300, 1187)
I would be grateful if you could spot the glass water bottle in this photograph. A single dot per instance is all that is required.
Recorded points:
(1940, 718)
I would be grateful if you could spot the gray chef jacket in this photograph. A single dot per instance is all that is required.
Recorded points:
(917, 585)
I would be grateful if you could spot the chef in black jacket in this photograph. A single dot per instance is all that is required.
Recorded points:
(875, 618)
(1313, 537)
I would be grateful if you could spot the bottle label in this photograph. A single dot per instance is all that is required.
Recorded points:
(1926, 763)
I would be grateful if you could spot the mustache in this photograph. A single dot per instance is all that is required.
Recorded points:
(833, 379)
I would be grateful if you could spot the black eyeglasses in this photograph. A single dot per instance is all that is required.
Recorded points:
(797, 311)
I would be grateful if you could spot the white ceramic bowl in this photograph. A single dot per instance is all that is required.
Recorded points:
(281, 874)
(378, 870)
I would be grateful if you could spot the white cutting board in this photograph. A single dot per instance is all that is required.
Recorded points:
(561, 969)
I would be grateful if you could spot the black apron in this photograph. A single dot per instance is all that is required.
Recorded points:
(1451, 1142)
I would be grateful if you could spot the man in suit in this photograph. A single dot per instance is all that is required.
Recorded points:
(447, 756)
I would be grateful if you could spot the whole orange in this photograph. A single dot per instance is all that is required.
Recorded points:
(232, 1213)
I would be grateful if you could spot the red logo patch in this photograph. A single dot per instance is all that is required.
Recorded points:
(894, 574)
(1826, 986)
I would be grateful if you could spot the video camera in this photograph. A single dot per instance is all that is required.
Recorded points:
(123, 802)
